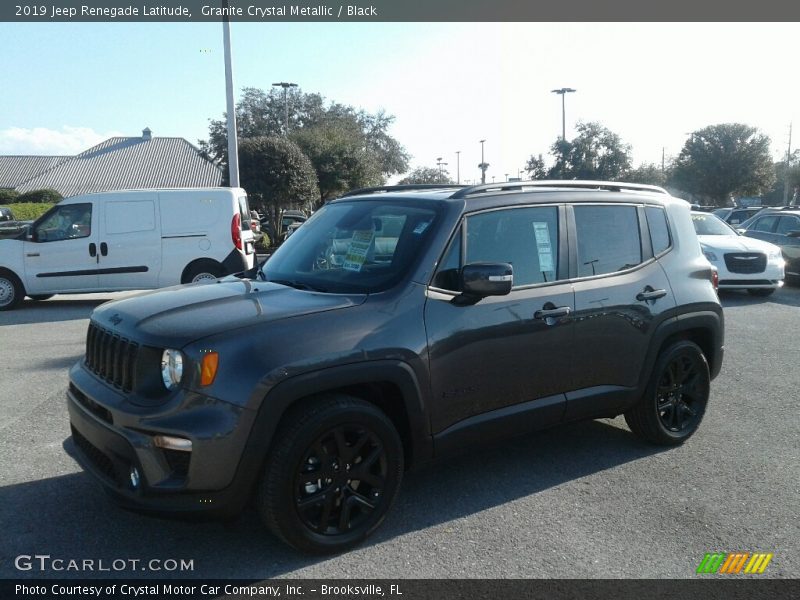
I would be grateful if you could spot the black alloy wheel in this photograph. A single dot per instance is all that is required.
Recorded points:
(675, 400)
(331, 474)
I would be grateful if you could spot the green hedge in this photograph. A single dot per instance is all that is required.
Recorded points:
(28, 211)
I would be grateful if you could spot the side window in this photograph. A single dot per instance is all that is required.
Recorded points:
(527, 238)
(130, 217)
(66, 222)
(659, 232)
(608, 239)
(786, 224)
(244, 213)
(446, 276)
(765, 224)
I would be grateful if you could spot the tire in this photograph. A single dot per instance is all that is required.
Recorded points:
(11, 290)
(308, 495)
(202, 270)
(41, 296)
(762, 292)
(676, 397)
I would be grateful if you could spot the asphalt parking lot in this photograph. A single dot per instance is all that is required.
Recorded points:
(585, 500)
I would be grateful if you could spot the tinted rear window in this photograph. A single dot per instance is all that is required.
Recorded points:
(608, 239)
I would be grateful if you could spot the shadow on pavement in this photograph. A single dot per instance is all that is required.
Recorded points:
(788, 295)
(70, 517)
(50, 311)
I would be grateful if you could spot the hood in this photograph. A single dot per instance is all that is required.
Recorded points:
(736, 243)
(178, 315)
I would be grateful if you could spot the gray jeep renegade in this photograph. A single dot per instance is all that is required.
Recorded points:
(399, 324)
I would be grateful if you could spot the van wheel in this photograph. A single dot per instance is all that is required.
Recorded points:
(676, 397)
(201, 270)
(332, 474)
(41, 296)
(11, 290)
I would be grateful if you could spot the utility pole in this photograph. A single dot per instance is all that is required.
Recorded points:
(786, 173)
(563, 92)
(458, 167)
(662, 159)
(233, 144)
(285, 85)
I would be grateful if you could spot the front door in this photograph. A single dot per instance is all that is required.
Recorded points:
(62, 254)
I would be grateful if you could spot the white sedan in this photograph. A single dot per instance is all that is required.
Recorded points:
(742, 262)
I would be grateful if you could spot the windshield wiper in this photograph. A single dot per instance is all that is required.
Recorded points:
(298, 285)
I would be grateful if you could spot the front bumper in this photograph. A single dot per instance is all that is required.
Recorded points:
(770, 278)
(114, 441)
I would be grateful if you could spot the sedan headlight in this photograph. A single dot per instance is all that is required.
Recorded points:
(710, 255)
(775, 255)
(171, 368)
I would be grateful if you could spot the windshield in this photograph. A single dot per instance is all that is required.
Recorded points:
(707, 224)
(353, 247)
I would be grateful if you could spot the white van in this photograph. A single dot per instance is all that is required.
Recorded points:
(128, 240)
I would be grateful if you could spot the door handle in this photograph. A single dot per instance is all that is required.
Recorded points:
(552, 313)
(92, 250)
(31, 254)
(103, 248)
(650, 294)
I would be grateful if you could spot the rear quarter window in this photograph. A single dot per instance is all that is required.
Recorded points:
(608, 239)
(659, 230)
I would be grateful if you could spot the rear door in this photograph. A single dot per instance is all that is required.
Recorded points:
(63, 253)
(621, 293)
(130, 243)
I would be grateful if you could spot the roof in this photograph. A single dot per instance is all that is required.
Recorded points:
(15, 170)
(129, 162)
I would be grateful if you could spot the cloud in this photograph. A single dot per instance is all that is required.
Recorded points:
(40, 140)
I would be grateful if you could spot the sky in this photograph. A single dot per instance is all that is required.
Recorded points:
(67, 86)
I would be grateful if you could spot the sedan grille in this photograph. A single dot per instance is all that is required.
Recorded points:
(746, 262)
(111, 357)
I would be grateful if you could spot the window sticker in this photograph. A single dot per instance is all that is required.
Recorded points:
(419, 229)
(543, 246)
(357, 250)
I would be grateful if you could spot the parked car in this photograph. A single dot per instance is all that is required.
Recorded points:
(412, 323)
(779, 226)
(735, 216)
(9, 225)
(290, 220)
(741, 262)
(128, 240)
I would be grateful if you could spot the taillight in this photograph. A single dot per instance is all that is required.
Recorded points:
(236, 231)
(715, 278)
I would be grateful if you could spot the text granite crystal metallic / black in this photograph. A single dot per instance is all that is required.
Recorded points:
(398, 325)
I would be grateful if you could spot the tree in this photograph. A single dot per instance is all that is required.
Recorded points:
(260, 113)
(649, 174)
(276, 174)
(784, 175)
(46, 195)
(721, 160)
(8, 196)
(535, 168)
(426, 175)
(596, 153)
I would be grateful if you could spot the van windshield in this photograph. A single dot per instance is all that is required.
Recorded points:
(353, 247)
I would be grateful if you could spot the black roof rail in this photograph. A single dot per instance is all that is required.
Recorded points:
(409, 187)
(611, 186)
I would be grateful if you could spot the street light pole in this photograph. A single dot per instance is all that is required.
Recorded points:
(285, 85)
(458, 167)
(483, 166)
(233, 145)
(563, 92)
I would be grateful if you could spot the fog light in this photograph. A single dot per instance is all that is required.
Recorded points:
(169, 442)
(135, 478)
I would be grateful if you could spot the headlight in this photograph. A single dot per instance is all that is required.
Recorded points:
(775, 254)
(710, 255)
(171, 368)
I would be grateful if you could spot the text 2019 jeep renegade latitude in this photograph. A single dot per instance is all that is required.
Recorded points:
(397, 325)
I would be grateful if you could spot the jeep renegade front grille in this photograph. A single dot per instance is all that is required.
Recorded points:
(746, 262)
(111, 357)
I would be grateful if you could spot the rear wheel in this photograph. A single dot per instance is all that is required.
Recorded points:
(11, 290)
(676, 397)
(202, 270)
(332, 474)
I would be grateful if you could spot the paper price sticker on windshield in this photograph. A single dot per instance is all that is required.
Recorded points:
(357, 250)
(543, 246)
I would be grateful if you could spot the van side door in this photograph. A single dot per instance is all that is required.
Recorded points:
(61, 254)
(129, 243)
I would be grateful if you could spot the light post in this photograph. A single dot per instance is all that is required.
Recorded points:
(233, 146)
(285, 85)
(440, 164)
(458, 167)
(483, 166)
(563, 92)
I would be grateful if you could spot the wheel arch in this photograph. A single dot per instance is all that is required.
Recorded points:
(197, 263)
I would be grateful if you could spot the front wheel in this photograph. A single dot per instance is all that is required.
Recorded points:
(332, 474)
(676, 397)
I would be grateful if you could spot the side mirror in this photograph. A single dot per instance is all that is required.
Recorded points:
(794, 233)
(479, 280)
(741, 231)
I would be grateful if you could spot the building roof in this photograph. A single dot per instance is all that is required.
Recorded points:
(16, 170)
(126, 163)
